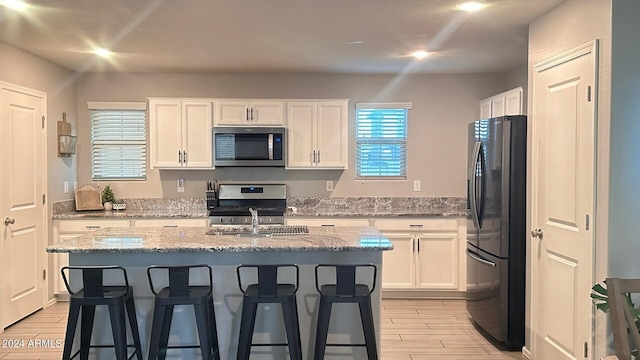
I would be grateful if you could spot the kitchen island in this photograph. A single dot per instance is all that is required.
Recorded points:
(137, 248)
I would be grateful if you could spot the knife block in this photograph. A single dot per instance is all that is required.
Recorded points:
(212, 199)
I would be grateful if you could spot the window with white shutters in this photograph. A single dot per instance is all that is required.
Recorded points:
(118, 141)
(381, 140)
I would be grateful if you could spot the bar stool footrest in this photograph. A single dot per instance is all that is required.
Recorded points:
(273, 344)
(346, 345)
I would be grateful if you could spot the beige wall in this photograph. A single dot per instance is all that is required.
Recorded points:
(21, 68)
(443, 105)
(574, 23)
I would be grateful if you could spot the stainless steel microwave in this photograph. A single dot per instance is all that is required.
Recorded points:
(248, 146)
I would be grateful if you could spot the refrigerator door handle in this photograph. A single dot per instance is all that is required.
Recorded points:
(472, 184)
(483, 184)
(478, 258)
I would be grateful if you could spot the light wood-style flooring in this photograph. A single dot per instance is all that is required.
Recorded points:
(410, 330)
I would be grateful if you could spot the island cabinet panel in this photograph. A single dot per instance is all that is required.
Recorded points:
(69, 229)
(180, 133)
(427, 255)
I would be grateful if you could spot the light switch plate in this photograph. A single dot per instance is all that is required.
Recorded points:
(180, 185)
(66, 187)
(416, 185)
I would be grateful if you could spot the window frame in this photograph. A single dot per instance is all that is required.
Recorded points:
(120, 106)
(403, 142)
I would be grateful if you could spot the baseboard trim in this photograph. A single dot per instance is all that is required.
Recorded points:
(526, 353)
(423, 294)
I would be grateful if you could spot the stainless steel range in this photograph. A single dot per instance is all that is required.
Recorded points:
(234, 201)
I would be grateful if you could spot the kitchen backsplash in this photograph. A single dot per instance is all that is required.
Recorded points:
(314, 206)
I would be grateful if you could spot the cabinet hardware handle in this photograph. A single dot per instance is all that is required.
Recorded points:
(314, 157)
(411, 226)
(251, 114)
(413, 245)
(92, 226)
(184, 156)
(179, 157)
(328, 225)
(318, 156)
(170, 226)
(247, 117)
(418, 244)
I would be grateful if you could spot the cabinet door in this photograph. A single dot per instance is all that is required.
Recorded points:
(196, 134)
(301, 120)
(332, 135)
(437, 261)
(266, 113)
(398, 265)
(60, 260)
(232, 112)
(485, 109)
(498, 106)
(165, 133)
(513, 102)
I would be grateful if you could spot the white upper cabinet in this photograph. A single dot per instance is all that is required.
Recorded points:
(180, 133)
(248, 112)
(507, 103)
(317, 134)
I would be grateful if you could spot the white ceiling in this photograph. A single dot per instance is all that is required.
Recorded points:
(275, 36)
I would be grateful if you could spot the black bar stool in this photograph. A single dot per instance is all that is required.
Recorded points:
(345, 290)
(119, 299)
(180, 292)
(269, 291)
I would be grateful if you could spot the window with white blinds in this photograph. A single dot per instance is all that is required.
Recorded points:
(118, 141)
(381, 140)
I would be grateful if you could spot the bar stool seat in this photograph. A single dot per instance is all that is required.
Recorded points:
(345, 290)
(269, 291)
(119, 300)
(180, 292)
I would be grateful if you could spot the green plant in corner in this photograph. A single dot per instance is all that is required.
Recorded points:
(107, 194)
(600, 298)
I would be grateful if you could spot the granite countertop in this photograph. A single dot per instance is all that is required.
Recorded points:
(137, 213)
(166, 240)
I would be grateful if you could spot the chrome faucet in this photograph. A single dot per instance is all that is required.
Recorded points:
(254, 221)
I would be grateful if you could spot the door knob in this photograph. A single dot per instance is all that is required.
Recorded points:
(9, 221)
(537, 233)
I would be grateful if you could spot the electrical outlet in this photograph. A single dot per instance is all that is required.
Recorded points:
(66, 187)
(180, 185)
(75, 185)
(329, 185)
(416, 185)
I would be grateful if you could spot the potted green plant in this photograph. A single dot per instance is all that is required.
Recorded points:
(107, 198)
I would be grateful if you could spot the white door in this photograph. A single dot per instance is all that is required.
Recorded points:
(22, 186)
(563, 163)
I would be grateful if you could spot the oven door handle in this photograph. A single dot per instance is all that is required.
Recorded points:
(479, 258)
(270, 145)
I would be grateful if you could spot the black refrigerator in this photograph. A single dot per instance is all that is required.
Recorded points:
(496, 220)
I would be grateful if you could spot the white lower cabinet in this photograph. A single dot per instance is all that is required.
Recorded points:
(427, 254)
(68, 229)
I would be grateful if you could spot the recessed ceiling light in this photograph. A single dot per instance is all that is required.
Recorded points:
(355, 42)
(102, 52)
(420, 54)
(14, 4)
(470, 6)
